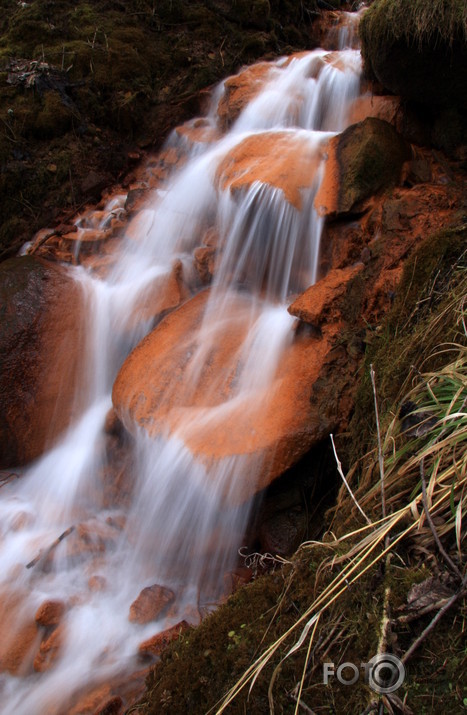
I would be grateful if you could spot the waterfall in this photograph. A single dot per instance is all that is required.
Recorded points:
(181, 519)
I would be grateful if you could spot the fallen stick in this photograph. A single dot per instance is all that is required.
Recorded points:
(42, 554)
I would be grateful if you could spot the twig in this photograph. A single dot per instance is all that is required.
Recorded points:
(302, 705)
(434, 621)
(380, 451)
(341, 473)
(442, 551)
(42, 554)
(6, 478)
(409, 617)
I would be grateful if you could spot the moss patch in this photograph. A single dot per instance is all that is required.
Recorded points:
(370, 156)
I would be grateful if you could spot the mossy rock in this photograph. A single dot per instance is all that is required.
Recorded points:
(370, 155)
(418, 49)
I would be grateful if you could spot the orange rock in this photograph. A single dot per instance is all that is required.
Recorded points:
(156, 644)
(284, 160)
(320, 300)
(272, 426)
(92, 702)
(381, 107)
(49, 650)
(17, 647)
(50, 613)
(204, 262)
(150, 604)
(198, 131)
(97, 583)
(164, 293)
(240, 90)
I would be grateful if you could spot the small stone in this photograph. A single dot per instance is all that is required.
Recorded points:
(156, 644)
(150, 604)
(50, 613)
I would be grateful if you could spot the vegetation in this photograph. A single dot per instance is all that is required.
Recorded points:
(417, 22)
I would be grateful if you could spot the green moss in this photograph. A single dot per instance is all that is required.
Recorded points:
(370, 156)
(417, 21)
(199, 669)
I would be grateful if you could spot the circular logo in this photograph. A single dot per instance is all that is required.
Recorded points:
(386, 673)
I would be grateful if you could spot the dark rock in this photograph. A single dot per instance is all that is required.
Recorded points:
(39, 334)
(370, 156)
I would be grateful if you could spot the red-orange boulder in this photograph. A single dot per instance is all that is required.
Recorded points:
(271, 425)
(283, 160)
(320, 301)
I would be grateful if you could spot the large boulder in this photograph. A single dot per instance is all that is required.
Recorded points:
(418, 49)
(265, 428)
(40, 331)
(282, 160)
(365, 159)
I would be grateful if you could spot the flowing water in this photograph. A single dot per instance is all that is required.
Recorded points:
(180, 524)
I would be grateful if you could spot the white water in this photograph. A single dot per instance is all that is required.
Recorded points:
(173, 528)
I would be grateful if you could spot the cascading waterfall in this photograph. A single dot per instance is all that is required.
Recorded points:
(181, 523)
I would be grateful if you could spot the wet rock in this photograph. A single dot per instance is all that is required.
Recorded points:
(365, 159)
(233, 580)
(164, 293)
(156, 644)
(320, 302)
(49, 650)
(40, 356)
(282, 160)
(198, 131)
(50, 613)
(18, 645)
(204, 262)
(239, 90)
(97, 583)
(100, 701)
(150, 604)
(271, 426)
